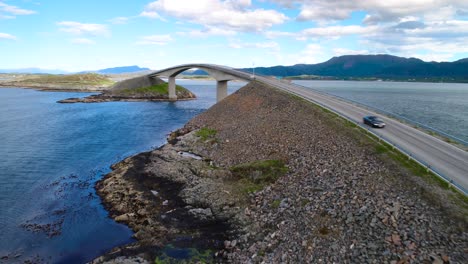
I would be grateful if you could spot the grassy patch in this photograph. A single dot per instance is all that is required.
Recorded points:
(275, 204)
(379, 149)
(258, 172)
(206, 133)
(157, 89)
(248, 187)
(255, 176)
(171, 254)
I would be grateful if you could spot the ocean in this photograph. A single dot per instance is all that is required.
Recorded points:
(51, 156)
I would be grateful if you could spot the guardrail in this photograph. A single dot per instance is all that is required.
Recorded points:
(450, 181)
(387, 113)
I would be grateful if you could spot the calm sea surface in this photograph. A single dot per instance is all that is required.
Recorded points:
(441, 106)
(52, 154)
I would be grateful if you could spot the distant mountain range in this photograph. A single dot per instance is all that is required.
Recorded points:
(194, 72)
(33, 70)
(373, 66)
(123, 69)
(115, 70)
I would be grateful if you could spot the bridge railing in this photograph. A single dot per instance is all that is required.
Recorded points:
(408, 154)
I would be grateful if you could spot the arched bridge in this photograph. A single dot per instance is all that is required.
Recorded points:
(221, 74)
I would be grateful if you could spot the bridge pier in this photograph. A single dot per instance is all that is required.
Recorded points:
(221, 90)
(172, 89)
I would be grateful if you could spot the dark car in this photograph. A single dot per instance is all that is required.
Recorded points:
(373, 121)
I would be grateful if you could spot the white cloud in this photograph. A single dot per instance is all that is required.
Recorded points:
(7, 36)
(14, 10)
(83, 41)
(432, 56)
(230, 14)
(338, 31)
(378, 10)
(155, 40)
(209, 31)
(426, 29)
(313, 53)
(330, 32)
(277, 34)
(342, 51)
(435, 37)
(6, 17)
(77, 28)
(152, 14)
(258, 45)
(119, 20)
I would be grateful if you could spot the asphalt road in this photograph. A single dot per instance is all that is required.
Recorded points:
(443, 158)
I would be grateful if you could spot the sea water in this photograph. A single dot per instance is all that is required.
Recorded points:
(52, 154)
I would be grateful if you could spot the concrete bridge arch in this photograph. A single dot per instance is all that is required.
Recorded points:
(221, 74)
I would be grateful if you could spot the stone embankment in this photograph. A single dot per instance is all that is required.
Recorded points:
(342, 199)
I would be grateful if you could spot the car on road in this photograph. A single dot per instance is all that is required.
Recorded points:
(373, 121)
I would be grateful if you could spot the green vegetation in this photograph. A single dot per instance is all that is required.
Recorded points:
(258, 172)
(254, 176)
(206, 133)
(417, 169)
(157, 89)
(171, 254)
(71, 79)
(275, 203)
(250, 187)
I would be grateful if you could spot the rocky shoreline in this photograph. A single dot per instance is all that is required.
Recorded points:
(341, 198)
(102, 98)
(55, 88)
(168, 196)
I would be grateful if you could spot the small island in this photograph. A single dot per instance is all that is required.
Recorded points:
(141, 88)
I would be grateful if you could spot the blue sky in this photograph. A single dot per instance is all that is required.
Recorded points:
(89, 35)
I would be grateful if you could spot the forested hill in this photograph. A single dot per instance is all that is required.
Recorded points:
(373, 66)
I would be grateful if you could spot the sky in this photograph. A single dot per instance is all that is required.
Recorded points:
(78, 35)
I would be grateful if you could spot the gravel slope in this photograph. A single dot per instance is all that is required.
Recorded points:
(341, 201)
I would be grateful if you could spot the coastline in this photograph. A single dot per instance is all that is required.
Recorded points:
(91, 99)
(339, 194)
(167, 198)
(52, 89)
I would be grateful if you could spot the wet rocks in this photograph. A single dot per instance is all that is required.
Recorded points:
(202, 214)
